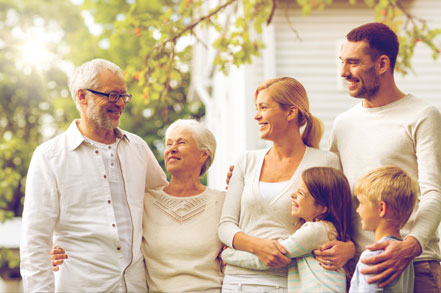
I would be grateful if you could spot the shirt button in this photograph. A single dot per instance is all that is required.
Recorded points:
(105, 176)
(111, 155)
(113, 225)
(118, 248)
(96, 151)
(110, 147)
(111, 164)
(109, 201)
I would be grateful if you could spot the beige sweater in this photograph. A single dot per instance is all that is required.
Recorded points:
(246, 211)
(180, 242)
(406, 133)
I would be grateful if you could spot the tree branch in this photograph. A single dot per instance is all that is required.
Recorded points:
(273, 9)
(188, 28)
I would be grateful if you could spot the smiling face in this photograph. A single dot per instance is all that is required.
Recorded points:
(272, 119)
(369, 213)
(304, 205)
(182, 153)
(99, 110)
(359, 70)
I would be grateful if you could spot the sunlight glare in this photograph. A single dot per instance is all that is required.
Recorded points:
(34, 52)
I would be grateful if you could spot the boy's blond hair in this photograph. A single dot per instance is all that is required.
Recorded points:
(392, 185)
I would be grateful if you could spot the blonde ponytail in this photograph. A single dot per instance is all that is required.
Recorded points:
(313, 131)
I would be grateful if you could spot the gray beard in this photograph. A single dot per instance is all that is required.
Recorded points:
(93, 113)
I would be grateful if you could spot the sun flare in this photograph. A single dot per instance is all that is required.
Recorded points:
(34, 52)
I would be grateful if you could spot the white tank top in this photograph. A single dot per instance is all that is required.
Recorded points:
(270, 189)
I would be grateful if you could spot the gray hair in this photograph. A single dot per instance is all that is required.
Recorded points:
(86, 75)
(204, 138)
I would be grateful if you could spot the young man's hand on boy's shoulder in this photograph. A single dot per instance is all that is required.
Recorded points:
(387, 266)
(334, 254)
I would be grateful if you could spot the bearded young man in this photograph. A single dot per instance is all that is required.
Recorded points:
(85, 190)
(389, 127)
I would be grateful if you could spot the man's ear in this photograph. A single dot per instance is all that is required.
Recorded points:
(382, 208)
(383, 64)
(81, 96)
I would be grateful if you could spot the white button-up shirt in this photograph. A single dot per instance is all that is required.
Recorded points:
(68, 202)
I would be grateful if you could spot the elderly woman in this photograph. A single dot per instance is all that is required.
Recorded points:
(257, 208)
(180, 243)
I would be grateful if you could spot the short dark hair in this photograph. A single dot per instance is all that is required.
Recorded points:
(381, 39)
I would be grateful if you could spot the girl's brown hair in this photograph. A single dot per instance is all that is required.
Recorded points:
(329, 187)
(289, 92)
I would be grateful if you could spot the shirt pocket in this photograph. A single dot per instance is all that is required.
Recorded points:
(77, 197)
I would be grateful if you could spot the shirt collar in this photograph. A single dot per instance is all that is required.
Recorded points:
(75, 138)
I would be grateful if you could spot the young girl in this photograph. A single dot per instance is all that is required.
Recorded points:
(323, 201)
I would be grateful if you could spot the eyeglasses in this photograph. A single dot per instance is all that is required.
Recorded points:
(113, 97)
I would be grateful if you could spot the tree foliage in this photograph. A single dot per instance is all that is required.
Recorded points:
(32, 91)
(28, 87)
(239, 24)
(131, 30)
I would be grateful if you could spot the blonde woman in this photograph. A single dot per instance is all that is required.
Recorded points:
(257, 211)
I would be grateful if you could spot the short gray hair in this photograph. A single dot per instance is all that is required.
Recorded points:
(86, 75)
(204, 138)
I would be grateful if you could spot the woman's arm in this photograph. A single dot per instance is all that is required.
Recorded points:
(229, 221)
(270, 252)
(242, 259)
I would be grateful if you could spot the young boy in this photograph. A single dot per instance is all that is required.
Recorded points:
(387, 197)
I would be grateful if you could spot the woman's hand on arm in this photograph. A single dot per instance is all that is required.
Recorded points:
(270, 252)
(57, 256)
(334, 254)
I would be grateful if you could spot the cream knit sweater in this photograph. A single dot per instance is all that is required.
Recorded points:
(180, 242)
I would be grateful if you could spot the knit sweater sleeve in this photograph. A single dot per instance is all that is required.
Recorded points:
(229, 221)
(309, 237)
(242, 259)
(427, 139)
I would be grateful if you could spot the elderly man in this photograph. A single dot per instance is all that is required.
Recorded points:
(85, 191)
(389, 127)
